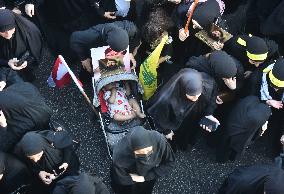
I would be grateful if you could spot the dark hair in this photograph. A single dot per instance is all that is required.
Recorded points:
(158, 23)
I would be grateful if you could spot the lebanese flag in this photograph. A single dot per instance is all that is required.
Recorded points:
(60, 75)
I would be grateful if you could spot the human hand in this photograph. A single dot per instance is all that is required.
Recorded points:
(170, 135)
(175, 1)
(282, 139)
(247, 74)
(46, 177)
(264, 128)
(16, 10)
(132, 60)
(219, 100)
(182, 34)
(275, 104)
(2, 85)
(13, 64)
(87, 65)
(3, 122)
(30, 9)
(64, 166)
(231, 83)
(137, 178)
(110, 15)
(218, 45)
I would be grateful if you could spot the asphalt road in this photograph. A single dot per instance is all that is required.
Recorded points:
(195, 172)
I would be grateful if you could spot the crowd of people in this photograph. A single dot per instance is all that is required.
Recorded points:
(218, 72)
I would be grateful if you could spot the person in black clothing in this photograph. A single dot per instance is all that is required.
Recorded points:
(186, 98)
(19, 38)
(255, 179)
(117, 35)
(49, 159)
(268, 86)
(139, 159)
(13, 173)
(81, 184)
(24, 110)
(252, 51)
(246, 121)
(227, 71)
(158, 26)
(205, 14)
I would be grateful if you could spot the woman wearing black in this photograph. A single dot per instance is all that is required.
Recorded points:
(81, 184)
(242, 127)
(227, 71)
(13, 174)
(186, 98)
(256, 179)
(20, 44)
(48, 158)
(139, 159)
(25, 110)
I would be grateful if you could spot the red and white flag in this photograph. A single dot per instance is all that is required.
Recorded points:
(61, 75)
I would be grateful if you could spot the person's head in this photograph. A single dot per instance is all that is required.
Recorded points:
(276, 75)
(156, 27)
(216, 34)
(256, 50)
(110, 86)
(223, 65)
(117, 39)
(191, 84)
(7, 24)
(84, 185)
(32, 146)
(205, 15)
(141, 143)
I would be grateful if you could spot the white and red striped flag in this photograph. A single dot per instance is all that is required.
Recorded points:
(61, 74)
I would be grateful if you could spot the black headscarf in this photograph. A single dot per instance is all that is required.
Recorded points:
(26, 33)
(117, 38)
(248, 115)
(171, 99)
(157, 164)
(172, 102)
(218, 65)
(25, 110)
(81, 184)
(33, 143)
(15, 173)
(206, 14)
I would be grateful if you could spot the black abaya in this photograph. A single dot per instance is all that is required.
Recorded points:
(54, 155)
(25, 110)
(172, 102)
(81, 184)
(151, 167)
(254, 180)
(242, 127)
(27, 38)
(15, 173)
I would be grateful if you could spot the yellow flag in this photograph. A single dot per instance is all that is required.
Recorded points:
(148, 70)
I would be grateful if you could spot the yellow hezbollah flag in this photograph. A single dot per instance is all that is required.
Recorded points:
(148, 70)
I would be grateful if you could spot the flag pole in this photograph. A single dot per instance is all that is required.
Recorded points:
(195, 3)
(79, 86)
